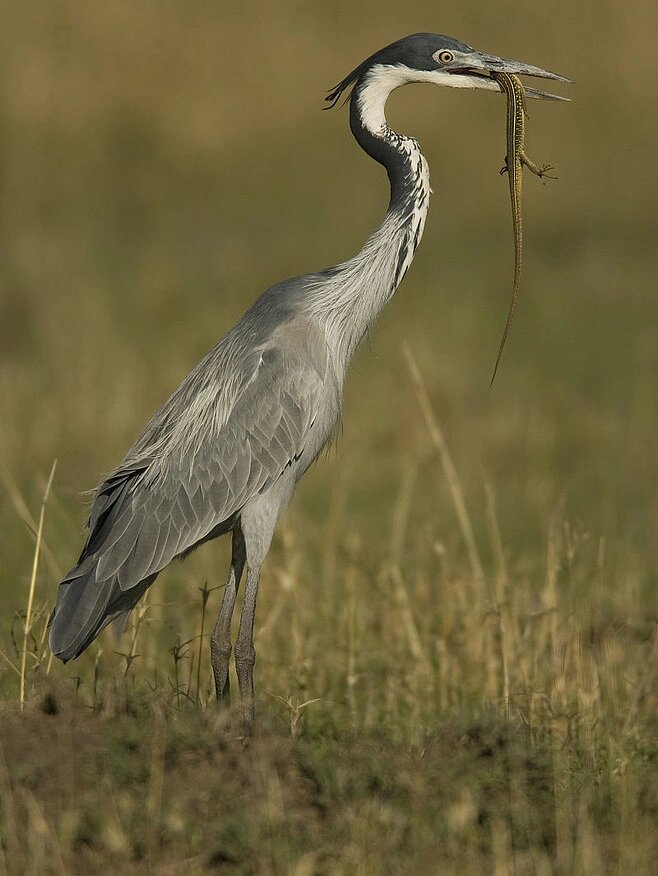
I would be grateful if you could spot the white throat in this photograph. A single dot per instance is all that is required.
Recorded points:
(385, 78)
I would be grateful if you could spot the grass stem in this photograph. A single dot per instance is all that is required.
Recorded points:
(33, 583)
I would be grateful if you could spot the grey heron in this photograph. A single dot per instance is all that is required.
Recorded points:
(224, 453)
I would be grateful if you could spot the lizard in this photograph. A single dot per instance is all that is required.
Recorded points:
(515, 160)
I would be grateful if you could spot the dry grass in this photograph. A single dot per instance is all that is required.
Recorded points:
(423, 716)
(457, 648)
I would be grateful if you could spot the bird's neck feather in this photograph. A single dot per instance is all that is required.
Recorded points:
(350, 296)
(372, 132)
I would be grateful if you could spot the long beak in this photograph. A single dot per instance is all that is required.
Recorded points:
(493, 64)
(482, 65)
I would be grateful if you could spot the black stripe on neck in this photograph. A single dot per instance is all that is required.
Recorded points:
(384, 148)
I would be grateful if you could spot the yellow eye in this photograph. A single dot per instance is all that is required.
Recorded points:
(446, 57)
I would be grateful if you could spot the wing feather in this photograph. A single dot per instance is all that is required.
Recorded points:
(206, 462)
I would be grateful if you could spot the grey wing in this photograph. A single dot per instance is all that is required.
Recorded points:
(147, 513)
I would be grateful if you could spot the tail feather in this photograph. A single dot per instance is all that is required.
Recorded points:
(79, 614)
(137, 526)
(85, 607)
(91, 596)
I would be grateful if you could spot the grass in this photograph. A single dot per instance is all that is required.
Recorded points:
(456, 635)
(450, 718)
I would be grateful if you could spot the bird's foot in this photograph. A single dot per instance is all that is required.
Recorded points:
(248, 717)
(244, 667)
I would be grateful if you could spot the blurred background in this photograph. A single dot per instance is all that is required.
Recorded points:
(427, 701)
(162, 164)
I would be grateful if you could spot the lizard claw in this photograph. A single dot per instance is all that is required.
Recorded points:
(544, 171)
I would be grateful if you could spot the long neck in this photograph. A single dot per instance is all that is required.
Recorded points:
(349, 297)
(400, 155)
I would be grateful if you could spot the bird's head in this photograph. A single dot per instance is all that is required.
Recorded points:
(432, 57)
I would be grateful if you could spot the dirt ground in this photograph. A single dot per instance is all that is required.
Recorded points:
(136, 787)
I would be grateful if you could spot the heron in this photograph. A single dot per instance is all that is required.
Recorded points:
(224, 453)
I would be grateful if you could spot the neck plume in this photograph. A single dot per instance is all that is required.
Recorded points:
(348, 298)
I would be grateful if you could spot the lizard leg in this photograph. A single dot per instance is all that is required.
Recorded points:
(540, 170)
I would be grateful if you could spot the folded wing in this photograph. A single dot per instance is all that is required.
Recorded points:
(191, 483)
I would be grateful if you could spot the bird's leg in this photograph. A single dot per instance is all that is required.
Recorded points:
(257, 522)
(220, 640)
(245, 654)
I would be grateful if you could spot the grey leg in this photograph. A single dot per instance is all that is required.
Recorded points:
(245, 654)
(257, 521)
(220, 640)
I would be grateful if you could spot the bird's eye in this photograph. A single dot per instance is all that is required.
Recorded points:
(446, 57)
